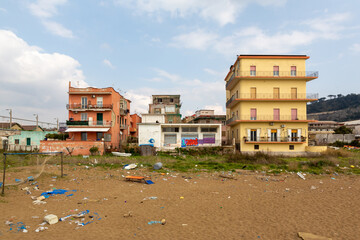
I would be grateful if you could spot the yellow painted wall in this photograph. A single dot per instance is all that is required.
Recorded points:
(267, 108)
(316, 148)
(268, 64)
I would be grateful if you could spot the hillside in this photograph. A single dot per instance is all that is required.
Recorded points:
(338, 108)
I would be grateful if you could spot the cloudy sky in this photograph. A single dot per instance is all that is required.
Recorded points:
(145, 47)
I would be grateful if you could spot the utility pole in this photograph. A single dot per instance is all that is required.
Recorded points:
(10, 111)
(57, 123)
(37, 120)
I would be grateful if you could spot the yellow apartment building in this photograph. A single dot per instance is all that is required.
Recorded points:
(266, 103)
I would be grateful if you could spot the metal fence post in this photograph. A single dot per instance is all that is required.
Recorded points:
(3, 183)
(62, 165)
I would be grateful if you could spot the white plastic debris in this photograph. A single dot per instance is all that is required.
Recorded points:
(301, 175)
(51, 219)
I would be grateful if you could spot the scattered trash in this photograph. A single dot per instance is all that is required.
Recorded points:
(128, 215)
(55, 192)
(119, 154)
(149, 182)
(162, 222)
(184, 224)
(157, 166)
(70, 195)
(51, 219)
(181, 197)
(31, 178)
(313, 187)
(352, 166)
(38, 202)
(130, 166)
(333, 178)
(310, 236)
(227, 176)
(18, 180)
(19, 226)
(287, 189)
(301, 175)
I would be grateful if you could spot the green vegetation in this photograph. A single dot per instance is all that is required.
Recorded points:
(343, 130)
(186, 160)
(58, 136)
(94, 150)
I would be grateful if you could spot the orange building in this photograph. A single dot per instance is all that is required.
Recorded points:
(98, 114)
(134, 128)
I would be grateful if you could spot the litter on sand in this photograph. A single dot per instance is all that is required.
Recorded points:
(301, 175)
(130, 166)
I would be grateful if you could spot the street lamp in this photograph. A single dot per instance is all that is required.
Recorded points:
(37, 120)
(57, 123)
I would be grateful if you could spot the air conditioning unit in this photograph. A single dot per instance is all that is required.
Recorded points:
(75, 112)
(271, 124)
(282, 125)
(93, 96)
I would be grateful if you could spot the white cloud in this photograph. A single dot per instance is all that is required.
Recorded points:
(195, 93)
(34, 81)
(45, 10)
(223, 12)
(58, 29)
(198, 39)
(355, 48)
(3, 10)
(256, 40)
(107, 63)
(219, 110)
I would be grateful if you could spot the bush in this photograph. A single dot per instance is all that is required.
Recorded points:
(94, 150)
(200, 151)
(134, 150)
(58, 136)
(257, 158)
(336, 153)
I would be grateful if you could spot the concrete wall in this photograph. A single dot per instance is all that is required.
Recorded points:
(316, 149)
(152, 118)
(324, 139)
(150, 134)
(77, 147)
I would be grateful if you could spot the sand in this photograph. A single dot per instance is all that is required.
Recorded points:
(195, 205)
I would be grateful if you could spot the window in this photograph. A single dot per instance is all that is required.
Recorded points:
(83, 136)
(294, 135)
(107, 137)
(276, 114)
(99, 136)
(189, 129)
(157, 110)
(253, 114)
(291, 147)
(208, 129)
(17, 141)
(253, 92)
(28, 141)
(253, 135)
(169, 139)
(273, 137)
(159, 100)
(84, 102)
(294, 114)
(252, 70)
(256, 147)
(276, 93)
(84, 117)
(276, 71)
(293, 71)
(170, 109)
(171, 100)
(99, 101)
(170, 129)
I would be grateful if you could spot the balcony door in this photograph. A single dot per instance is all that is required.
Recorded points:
(253, 114)
(84, 102)
(294, 93)
(276, 114)
(99, 102)
(99, 119)
(276, 93)
(252, 92)
(294, 114)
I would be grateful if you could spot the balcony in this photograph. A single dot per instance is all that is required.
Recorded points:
(87, 107)
(276, 140)
(124, 112)
(271, 97)
(132, 129)
(88, 123)
(267, 118)
(123, 126)
(234, 79)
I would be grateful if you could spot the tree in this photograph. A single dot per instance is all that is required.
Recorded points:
(343, 130)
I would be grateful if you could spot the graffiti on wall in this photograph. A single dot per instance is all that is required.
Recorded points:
(187, 142)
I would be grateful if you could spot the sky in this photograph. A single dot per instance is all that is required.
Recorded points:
(149, 47)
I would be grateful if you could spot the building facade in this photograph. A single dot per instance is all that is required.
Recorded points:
(134, 129)
(98, 114)
(266, 103)
(169, 105)
(167, 136)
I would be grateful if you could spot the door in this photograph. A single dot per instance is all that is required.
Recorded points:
(294, 114)
(253, 114)
(252, 92)
(276, 114)
(276, 93)
(274, 136)
(294, 93)
(84, 102)
(99, 102)
(99, 119)
(83, 136)
(28, 141)
(253, 135)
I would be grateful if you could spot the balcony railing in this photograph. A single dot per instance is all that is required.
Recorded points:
(124, 112)
(89, 123)
(291, 74)
(132, 129)
(79, 106)
(267, 118)
(273, 96)
(274, 140)
(123, 126)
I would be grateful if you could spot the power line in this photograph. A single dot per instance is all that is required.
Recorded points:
(21, 119)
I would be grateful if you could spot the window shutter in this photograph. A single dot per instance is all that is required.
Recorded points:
(299, 135)
(269, 134)
(289, 135)
(248, 133)
(278, 135)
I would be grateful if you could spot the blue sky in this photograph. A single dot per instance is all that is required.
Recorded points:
(146, 47)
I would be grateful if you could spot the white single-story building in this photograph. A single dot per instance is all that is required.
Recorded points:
(167, 136)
